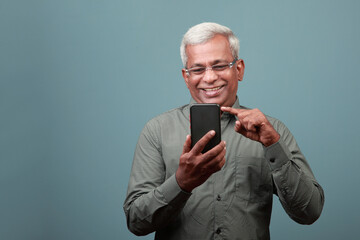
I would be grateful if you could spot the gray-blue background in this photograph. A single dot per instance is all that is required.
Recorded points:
(79, 79)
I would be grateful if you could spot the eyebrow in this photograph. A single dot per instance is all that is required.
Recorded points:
(211, 64)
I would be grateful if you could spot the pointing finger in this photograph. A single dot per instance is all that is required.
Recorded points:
(229, 110)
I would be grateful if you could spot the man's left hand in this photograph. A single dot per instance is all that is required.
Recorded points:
(254, 125)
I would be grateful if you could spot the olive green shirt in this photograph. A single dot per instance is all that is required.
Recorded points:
(234, 203)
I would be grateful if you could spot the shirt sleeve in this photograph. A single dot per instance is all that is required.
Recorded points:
(152, 201)
(299, 193)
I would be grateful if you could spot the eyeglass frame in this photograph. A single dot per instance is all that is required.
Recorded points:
(230, 65)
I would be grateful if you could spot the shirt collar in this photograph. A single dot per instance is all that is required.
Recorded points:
(235, 105)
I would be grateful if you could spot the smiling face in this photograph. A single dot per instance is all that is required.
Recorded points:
(213, 87)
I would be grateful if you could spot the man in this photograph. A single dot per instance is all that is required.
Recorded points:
(225, 193)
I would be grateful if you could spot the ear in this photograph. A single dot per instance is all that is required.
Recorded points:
(240, 68)
(185, 76)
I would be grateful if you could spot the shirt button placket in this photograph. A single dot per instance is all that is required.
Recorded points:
(218, 218)
(218, 198)
(217, 234)
(219, 210)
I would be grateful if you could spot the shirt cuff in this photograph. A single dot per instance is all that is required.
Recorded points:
(277, 155)
(172, 192)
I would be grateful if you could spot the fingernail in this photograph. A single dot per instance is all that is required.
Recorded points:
(212, 132)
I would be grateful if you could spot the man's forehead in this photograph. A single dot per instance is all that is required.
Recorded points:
(217, 49)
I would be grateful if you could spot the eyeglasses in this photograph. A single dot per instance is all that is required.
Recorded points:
(217, 68)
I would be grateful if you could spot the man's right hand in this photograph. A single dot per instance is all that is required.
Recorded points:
(196, 167)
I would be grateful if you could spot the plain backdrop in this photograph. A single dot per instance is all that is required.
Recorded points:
(79, 79)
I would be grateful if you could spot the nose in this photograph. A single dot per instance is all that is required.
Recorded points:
(210, 76)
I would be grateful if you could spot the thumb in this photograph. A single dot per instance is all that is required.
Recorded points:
(238, 126)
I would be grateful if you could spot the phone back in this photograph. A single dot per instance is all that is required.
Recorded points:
(203, 118)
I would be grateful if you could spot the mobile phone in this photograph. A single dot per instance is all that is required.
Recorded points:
(203, 118)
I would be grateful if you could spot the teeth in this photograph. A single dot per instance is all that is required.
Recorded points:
(212, 89)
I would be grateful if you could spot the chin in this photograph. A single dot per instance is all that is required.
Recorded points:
(217, 101)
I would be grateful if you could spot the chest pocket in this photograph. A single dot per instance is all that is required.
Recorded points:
(252, 179)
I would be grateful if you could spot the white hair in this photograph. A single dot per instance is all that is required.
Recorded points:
(202, 33)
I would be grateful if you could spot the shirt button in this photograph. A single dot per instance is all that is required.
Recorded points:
(218, 198)
(218, 231)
